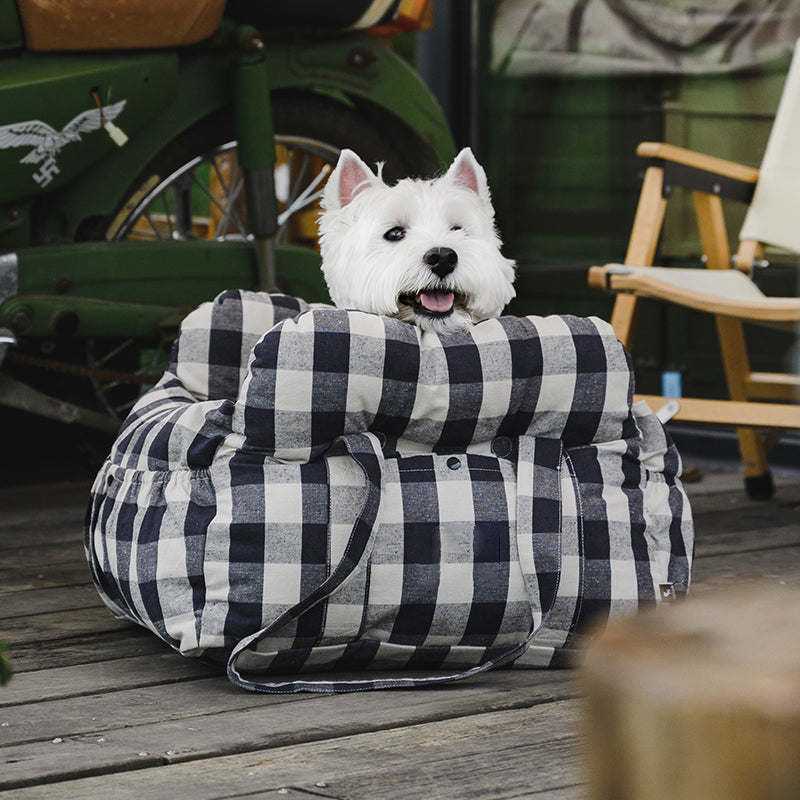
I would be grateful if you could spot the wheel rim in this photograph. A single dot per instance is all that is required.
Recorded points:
(204, 198)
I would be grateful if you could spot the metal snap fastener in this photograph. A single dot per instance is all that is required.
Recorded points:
(502, 446)
(454, 463)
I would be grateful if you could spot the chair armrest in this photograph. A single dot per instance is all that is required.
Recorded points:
(701, 173)
(689, 158)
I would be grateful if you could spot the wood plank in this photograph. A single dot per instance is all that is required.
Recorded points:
(42, 601)
(70, 552)
(60, 625)
(121, 673)
(502, 771)
(36, 530)
(30, 499)
(215, 696)
(572, 792)
(780, 565)
(210, 717)
(723, 493)
(38, 576)
(746, 541)
(468, 755)
(90, 649)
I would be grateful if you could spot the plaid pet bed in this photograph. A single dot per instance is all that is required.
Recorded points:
(345, 502)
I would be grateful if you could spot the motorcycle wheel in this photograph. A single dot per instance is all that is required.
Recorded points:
(194, 189)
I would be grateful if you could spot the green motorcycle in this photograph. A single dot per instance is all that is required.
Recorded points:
(154, 154)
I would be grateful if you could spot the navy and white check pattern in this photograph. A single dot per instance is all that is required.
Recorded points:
(317, 491)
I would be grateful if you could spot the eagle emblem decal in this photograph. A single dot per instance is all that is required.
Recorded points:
(47, 142)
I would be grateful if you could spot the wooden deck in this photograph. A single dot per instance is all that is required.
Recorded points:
(101, 709)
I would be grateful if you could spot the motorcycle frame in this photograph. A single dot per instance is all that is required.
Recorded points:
(65, 288)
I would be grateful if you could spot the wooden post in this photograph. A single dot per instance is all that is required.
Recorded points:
(700, 700)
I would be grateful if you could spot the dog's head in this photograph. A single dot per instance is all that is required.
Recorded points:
(425, 251)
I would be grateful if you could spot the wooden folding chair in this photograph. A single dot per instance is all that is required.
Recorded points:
(757, 401)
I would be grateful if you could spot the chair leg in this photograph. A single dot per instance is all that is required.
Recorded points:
(753, 450)
(714, 238)
(641, 249)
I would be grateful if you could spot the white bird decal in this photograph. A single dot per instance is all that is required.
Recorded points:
(46, 140)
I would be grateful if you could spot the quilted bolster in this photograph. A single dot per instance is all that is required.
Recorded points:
(331, 372)
(181, 422)
(211, 355)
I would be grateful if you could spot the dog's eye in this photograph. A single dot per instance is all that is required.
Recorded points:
(455, 228)
(395, 234)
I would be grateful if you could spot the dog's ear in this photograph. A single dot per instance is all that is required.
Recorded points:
(351, 177)
(467, 172)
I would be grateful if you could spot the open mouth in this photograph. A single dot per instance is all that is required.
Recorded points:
(432, 302)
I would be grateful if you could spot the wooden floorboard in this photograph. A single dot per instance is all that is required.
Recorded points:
(135, 671)
(100, 708)
(90, 649)
(200, 718)
(48, 601)
(484, 753)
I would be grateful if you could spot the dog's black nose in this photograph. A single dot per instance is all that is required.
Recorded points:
(441, 260)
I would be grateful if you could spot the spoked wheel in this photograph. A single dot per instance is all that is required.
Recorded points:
(194, 189)
(204, 198)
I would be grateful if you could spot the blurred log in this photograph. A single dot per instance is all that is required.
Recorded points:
(699, 700)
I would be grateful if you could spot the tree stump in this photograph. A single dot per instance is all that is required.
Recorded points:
(698, 700)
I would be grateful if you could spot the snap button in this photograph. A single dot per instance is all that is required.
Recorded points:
(454, 463)
(502, 446)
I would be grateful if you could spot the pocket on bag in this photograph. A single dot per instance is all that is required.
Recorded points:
(444, 570)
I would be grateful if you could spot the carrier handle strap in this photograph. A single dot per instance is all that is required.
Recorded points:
(366, 450)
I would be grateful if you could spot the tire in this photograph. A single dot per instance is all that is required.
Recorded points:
(173, 197)
(305, 124)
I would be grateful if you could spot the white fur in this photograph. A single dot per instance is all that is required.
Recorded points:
(365, 271)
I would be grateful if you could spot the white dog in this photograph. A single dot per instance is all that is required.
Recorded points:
(424, 251)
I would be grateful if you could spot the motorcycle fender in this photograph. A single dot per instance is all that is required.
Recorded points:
(355, 69)
(62, 114)
(365, 68)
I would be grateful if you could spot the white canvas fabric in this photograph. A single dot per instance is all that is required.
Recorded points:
(772, 216)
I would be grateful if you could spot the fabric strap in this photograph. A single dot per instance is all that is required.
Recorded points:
(538, 466)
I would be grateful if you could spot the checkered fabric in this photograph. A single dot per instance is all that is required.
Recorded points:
(331, 500)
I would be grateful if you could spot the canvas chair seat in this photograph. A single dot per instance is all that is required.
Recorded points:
(730, 292)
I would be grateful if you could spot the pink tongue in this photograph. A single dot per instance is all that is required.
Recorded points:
(436, 301)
